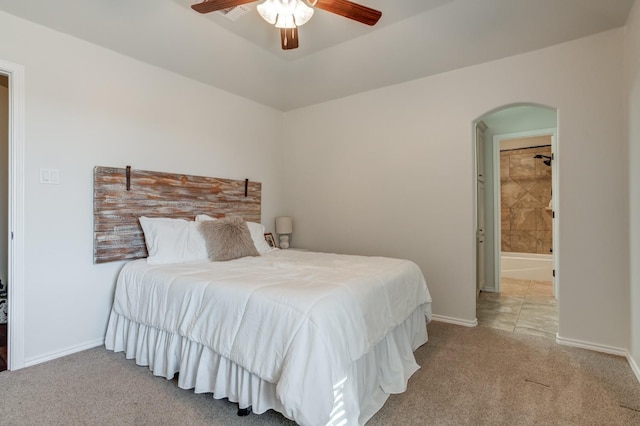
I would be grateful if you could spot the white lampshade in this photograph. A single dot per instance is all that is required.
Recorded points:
(284, 225)
(302, 13)
(285, 21)
(285, 13)
(268, 11)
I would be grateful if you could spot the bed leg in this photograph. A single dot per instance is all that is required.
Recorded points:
(244, 411)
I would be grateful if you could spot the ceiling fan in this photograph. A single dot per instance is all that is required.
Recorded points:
(288, 15)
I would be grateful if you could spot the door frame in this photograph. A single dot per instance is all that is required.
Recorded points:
(16, 210)
(497, 222)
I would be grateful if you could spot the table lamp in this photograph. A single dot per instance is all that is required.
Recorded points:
(284, 227)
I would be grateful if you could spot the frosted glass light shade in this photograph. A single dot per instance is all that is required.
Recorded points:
(284, 225)
(285, 21)
(302, 13)
(268, 11)
(285, 13)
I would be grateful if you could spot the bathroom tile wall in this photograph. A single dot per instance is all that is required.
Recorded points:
(525, 190)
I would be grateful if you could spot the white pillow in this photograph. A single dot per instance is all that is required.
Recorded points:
(255, 229)
(172, 240)
(257, 235)
(204, 218)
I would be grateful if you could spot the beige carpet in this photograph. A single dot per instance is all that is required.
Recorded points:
(469, 376)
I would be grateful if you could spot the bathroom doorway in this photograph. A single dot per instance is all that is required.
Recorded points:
(4, 220)
(15, 205)
(520, 194)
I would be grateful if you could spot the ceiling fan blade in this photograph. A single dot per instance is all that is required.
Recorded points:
(213, 5)
(350, 10)
(289, 38)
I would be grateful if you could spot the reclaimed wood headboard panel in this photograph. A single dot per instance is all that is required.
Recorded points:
(117, 234)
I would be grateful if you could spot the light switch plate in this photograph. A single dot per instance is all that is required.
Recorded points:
(50, 176)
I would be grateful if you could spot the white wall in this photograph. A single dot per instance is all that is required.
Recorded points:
(633, 87)
(4, 166)
(87, 106)
(390, 172)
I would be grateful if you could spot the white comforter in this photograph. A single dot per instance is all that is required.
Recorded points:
(297, 319)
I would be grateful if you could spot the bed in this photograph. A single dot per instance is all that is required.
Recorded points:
(290, 330)
(321, 338)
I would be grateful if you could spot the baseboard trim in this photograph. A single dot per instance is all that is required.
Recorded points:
(591, 346)
(634, 366)
(67, 351)
(456, 321)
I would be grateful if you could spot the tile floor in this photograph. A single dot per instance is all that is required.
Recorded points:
(522, 306)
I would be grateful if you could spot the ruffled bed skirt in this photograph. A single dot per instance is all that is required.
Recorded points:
(384, 370)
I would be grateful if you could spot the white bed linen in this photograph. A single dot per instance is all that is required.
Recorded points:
(298, 320)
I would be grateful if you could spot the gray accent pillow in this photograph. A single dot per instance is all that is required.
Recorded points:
(227, 239)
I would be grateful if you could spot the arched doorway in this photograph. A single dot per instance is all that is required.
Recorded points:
(516, 153)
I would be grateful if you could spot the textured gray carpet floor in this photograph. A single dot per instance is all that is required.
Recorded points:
(474, 376)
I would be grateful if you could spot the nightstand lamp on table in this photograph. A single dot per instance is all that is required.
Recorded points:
(284, 227)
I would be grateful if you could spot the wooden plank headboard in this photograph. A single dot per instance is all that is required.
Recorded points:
(117, 234)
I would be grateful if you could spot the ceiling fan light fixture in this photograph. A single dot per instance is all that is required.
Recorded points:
(285, 21)
(285, 13)
(268, 10)
(302, 13)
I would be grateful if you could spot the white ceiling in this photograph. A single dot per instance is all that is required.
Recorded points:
(337, 57)
(323, 31)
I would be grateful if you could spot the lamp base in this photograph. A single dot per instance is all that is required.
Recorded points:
(284, 241)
